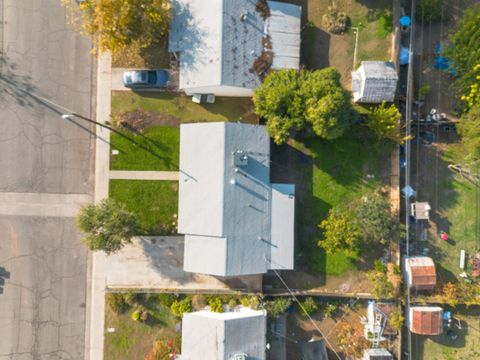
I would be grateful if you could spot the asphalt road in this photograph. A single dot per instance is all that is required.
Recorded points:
(45, 171)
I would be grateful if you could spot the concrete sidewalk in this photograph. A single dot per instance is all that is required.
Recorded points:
(144, 175)
(96, 277)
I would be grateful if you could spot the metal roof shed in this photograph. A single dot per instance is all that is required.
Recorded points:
(374, 82)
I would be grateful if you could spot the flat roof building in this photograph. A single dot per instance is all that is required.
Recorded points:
(234, 220)
(426, 320)
(420, 273)
(225, 47)
(238, 334)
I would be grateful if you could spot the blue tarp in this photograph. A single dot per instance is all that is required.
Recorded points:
(405, 21)
(404, 56)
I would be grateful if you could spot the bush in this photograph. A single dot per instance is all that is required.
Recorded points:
(379, 266)
(117, 303)
(330, 310)
(424, 91)
(135, 315)
(199, 301)
(334, 20)
(310, 306)
(165, 349)
(250, 301)
(277, 306)
(396, 319)
(130, 298)
(215, 304)
(232, 302)
(385, 25)
(179, 307)
(166, 299)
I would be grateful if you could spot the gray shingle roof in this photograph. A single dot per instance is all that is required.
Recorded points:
(374, 82)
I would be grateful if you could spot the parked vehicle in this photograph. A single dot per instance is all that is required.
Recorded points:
(144, 79)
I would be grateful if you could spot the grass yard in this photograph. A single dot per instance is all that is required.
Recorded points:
(466, 346)
(322, 49)
(132, 340)
(154, 202)
(329, 173)
(155, 148)
(453, 201)
(180, 108)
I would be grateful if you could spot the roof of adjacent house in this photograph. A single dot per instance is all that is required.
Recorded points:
(374, 82)
(426, 320)
(210, 335)
(422, 270)
(219, 43)
(377, 354)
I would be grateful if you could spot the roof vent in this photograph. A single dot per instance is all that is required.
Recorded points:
(240, 158)
(239, 357)
(244, 16)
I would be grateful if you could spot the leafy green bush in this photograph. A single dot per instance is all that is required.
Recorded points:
(310, 306)
(166, 299)
(232, 302)
(379, 266)
(215, 304)
(250, 301)
(135, 315)
(179, 307)
(117, 303)
(130, 298)
(330, 309)
(424, 91)
(277, 306)
(385, 25)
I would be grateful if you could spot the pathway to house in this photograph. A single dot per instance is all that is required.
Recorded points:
(144, 175)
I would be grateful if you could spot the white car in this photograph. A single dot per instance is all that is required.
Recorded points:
(144, 79)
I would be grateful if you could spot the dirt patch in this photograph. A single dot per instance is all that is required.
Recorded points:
(139, 119)
(154, 56)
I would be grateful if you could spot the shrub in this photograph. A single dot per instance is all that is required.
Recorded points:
(179, 307)
(379, 266)
(385, 25)
(215, 304)
(424, 91)
(166, 299)
(232, 302)
(165, 349)
(135, 315)
(117, 303)
(277, 306)
(130, 298)
(330, 310)
(310, 306)
(396, 319)
(334, 20)
(199, 301)
(382, 288)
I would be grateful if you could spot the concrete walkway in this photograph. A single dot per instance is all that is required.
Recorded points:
(144, 175)
(96, 278)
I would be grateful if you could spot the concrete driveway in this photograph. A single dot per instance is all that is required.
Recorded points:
(156, 263)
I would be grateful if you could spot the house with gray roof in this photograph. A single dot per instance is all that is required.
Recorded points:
(374, 82)
(233, 335)
(235, 221)
(225, 47)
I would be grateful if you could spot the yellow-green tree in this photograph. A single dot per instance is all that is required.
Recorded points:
(384, 122)
(117, 23)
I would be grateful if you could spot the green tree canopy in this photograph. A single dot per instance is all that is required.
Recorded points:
(118, 23)
(384, 122)
(340, 232)
(469, 129)
(465, 49)
(108, 226)
(290, 99)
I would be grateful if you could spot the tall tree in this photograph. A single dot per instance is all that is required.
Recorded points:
(465, 49)
(108, 226)
(384, 122)
(118, 23)
(290, 99)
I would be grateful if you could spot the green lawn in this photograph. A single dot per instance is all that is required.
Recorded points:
(339, 175)
(156, 148)
(466, 346)
(154, 202)
(181, 107)
(132, 340)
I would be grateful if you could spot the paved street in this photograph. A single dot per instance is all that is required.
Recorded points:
(46, 173)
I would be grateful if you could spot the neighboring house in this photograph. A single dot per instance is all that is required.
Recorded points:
(420, 273)
(234, 220)
(225, 47)
(425, 320)
(377, 354)
(374, 82)
(233, 335)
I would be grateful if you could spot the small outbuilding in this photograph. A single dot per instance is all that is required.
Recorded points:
(421, 210)
(238, 334)
(374, 82)
(420, 273)
(377, 354)
(425, 320)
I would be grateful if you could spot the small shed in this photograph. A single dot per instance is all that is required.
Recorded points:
(374, 82)
(420, 272)
(377, 354)
(425, 320)
(421, 210)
